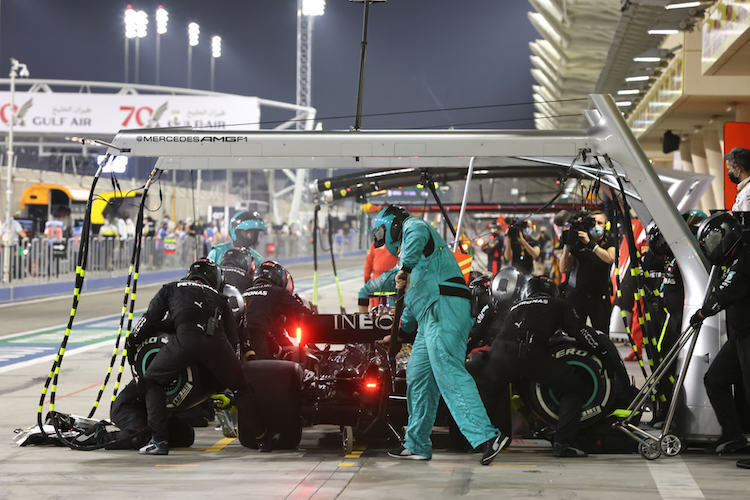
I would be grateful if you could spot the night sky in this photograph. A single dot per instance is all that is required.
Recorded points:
(422, 54)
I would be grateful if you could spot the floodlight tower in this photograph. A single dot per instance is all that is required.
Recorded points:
(307, 10)
(130, 32)
(193, 38)
(162, 19)
(215, 54)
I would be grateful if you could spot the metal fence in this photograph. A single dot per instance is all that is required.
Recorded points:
(40, 260)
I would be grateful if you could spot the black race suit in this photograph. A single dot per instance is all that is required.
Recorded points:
(731, 366)
(268, 308)
(520, 353)
(204, 334)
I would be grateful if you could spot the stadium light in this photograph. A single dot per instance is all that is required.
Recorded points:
(162, 18)
(216, 46)
(215, 54)
(193, 34)
(313, 7)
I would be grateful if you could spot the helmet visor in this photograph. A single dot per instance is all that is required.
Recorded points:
(378, 236)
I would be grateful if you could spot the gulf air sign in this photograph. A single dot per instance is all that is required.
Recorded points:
(106, 114)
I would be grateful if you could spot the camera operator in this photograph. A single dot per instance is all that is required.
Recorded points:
(493, 247)
(520, 248)
(587, 256)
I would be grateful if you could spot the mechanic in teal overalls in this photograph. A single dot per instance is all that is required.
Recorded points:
(439, 300)
(244, 228)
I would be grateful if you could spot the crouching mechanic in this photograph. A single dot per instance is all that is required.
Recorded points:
(519, 352)
(438, 301)
(204, 334)
(720, 237)
(244, 228)
(270, 305)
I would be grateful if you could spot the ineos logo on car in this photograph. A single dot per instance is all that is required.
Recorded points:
(361, 322)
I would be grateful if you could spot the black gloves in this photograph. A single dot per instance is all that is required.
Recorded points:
(697, 318)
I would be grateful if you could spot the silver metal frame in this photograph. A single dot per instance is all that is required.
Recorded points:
(610, 135)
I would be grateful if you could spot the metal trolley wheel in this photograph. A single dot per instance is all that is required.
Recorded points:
(650, 450)
(347, 438)
(671, 445)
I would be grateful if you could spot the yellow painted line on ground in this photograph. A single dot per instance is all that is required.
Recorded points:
(354, 454)
(513, 465)
(347, 464)
(176, 465)
(220, 444)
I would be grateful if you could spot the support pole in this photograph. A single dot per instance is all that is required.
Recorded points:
(463, 203)
(362, 61)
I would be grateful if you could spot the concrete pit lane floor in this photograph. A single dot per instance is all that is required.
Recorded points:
(220, 466)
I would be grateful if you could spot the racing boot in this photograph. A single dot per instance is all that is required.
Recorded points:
(155, 448)
(730, 444)
(402, 452)
(492, 447)
(566, 451)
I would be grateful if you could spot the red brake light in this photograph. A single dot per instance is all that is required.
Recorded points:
(371, 385)
(298, 336)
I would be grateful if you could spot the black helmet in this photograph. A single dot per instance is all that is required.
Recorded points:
(239, 257)
(718, 236)
(206, 271)
(693, 218)
(539, 285)
(656, 242)
(507, 286)
(273, 273)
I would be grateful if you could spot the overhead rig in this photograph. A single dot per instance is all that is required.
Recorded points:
(608, 137)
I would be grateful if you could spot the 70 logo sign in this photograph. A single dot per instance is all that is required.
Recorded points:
(142, 116)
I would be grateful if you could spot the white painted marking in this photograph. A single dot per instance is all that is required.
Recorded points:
(673, 479)
(50, 357)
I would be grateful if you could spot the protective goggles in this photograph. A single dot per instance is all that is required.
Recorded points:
(378, 236)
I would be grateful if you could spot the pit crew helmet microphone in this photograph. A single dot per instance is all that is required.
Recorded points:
(387, 228)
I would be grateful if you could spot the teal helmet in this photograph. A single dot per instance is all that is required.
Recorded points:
(693, 219)
(244, 227)
(386, 228)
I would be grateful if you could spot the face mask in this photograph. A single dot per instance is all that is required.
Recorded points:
(527, 231)
(733, 177)
(596, 232)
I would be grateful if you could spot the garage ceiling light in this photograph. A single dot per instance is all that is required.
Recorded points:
(663, 32)
(628, 92)
(646, 59)
(622, 104)
(637, 78)
(682, 5)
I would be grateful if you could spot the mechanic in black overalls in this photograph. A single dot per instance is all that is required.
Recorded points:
(238, 268)
(204, 335)
(720, 237)
(269, 306)
(520, 353)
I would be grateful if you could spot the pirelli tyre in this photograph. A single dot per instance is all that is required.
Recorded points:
(274, 397)
(191, 387)
(606, 383)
